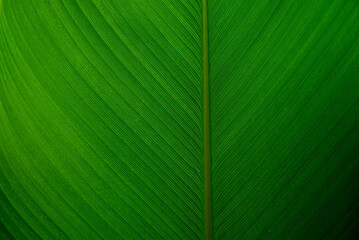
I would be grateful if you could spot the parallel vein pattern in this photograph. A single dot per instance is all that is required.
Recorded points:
(104, 119)
(101, 120)
(285, 118)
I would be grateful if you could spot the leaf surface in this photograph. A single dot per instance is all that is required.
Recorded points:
(105, 120)
(284, 131)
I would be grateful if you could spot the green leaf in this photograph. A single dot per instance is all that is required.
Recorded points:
(179, 119)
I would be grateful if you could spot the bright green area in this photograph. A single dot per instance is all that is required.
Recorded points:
(105, 120)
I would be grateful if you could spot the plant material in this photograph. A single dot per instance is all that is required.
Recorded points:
(179, 119)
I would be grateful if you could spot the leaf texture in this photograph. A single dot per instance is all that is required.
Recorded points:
(103, 131)
(101, 118)
(284, 87)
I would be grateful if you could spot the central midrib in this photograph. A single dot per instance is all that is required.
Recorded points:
(206, 127)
